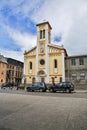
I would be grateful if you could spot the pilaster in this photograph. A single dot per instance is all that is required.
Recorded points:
(63, 67)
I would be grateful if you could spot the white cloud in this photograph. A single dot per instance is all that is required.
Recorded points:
(12, 54)
(69, 19)
(24, 40)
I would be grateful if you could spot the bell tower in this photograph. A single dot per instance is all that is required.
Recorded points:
(43, 39)
(43, 36)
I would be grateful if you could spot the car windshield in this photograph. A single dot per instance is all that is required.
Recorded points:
(41, 84)
(70, 83)
(38, 84)
(34, 84)
(59, 84)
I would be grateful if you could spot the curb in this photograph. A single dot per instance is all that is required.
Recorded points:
(80, 91)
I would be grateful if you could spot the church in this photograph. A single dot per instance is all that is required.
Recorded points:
(44, 62)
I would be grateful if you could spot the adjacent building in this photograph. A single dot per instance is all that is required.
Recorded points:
(46, 61)
(76, 68)
(3, 69)
(11, 70)
(14, 71)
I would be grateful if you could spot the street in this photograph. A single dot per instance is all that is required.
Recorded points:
(21, 110)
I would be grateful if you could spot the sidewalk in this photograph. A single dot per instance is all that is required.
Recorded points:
(80, 91)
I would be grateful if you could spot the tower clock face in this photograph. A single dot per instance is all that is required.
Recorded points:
(42, 62)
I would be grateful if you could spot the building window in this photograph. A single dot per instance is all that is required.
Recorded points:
(82, 76)
(81, 61)
(74, 76)
(73, 62)
(30, 65)
(12, 73)
(42, 34)
(42, 79)
(1, 80)
(55, 63)
(60, 79)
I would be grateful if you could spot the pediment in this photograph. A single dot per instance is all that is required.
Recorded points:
(54, 49)
(31, 52)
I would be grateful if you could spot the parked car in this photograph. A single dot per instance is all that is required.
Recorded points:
(38, 86)
(62, 86)
(7, 85)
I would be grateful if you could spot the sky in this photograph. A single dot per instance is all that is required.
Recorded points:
(18, 19)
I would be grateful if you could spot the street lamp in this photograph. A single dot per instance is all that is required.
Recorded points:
(24, 81)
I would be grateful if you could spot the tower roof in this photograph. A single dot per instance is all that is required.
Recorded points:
(46, 22)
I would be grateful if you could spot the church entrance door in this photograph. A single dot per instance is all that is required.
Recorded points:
(41, 76)
(42, 79)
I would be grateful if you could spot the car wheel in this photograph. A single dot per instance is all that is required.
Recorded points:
(28, 90)
(44, 90)
(41, 90)
(51, 90)
(68, 90)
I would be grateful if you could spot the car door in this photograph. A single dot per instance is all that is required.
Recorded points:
(60, 86)
(57, 87)
(63, 86)
(35, 86)
(32, 87)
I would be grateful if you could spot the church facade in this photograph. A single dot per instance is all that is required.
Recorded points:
(44, 62)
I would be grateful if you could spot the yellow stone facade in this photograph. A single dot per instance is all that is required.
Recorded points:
(3, 69)
(44, 62)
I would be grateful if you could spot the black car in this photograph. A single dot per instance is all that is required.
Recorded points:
(7, 85)
(62, 86)
(38, 86)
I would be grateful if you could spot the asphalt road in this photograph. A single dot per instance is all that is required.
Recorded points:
(20, 110)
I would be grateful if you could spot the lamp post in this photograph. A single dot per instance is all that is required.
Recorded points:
(24, 81)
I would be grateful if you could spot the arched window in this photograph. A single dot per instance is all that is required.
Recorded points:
(30, 65)
(41, 72)
(55, 63)
(42, 34)
(1, 80)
